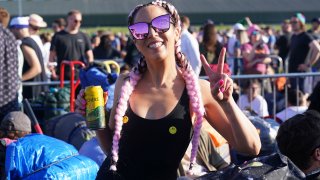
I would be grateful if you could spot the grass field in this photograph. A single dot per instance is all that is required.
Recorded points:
(92, 30)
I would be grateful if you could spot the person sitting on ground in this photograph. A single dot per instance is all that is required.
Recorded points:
(299, 139)
(252, 100)
(15, 125)
(297, 104)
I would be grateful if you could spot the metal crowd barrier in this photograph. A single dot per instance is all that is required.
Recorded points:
(234, 77)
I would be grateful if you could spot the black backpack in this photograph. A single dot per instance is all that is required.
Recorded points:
(71, 128)
(274, 166)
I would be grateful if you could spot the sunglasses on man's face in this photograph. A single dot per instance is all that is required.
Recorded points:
(160, 24)
(77, 21)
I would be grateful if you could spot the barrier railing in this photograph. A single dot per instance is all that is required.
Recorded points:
(234, 77)
(274, 91)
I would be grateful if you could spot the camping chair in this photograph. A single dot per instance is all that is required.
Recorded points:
(110, 65)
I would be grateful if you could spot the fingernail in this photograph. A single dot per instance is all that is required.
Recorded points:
(221, 82)
(221, 89)
(83, 102)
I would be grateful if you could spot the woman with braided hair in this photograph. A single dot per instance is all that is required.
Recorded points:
(160, 105)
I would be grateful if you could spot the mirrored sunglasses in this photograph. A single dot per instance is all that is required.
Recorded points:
(160, 24)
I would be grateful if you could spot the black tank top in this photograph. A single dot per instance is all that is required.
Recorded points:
(153, 149)
(33, 91)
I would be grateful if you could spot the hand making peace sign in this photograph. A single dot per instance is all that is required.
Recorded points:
(220, 83)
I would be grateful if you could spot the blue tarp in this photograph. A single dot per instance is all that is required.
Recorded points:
(37, 156)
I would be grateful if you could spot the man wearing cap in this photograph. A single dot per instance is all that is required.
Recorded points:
(9, 79)
(33, 67)
(190, 45)
(304, 50)
(70, 44)
(36, 22)
(299, 139)
(15, 125)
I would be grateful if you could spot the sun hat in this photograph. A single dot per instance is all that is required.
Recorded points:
(36, 20)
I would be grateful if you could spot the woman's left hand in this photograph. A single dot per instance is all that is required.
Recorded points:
(221, 84)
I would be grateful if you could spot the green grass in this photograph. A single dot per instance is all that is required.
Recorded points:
(93, 30)
(221, 27)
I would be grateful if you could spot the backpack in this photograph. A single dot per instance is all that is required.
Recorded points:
(71, 128)
(51, 103)
(274, 166)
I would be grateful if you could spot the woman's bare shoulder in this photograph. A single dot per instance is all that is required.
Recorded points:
(123, 77)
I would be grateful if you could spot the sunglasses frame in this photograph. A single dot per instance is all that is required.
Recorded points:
(149, 24)
(77, 21)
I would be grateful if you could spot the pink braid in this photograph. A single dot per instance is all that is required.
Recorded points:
(194, 93)
(126, 91)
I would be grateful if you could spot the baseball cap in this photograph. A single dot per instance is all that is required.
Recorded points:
(317, 20)
(19, 22)
(301, 17)
(16, 121)
(37, 20)
(238, 26)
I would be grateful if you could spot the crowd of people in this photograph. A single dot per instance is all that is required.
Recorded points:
(160, 100)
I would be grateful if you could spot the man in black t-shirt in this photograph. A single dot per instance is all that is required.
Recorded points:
(304, 50)
(70, 44)
(283, 42)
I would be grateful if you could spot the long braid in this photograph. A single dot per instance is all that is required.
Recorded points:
(195, 97)
(192, 84)
(188, 74)
(126, 90)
